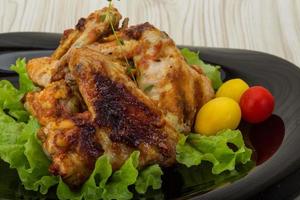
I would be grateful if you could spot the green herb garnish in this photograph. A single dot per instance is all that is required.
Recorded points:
(102, 18)
(148, 88)
(121, 43)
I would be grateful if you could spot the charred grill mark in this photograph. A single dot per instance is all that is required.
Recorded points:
(198, 93)
(181, 103)
(88, 143)
(81, 138)
(80, 24)
(131, 122)
(186, 113)
(174, 76)
(135, 32)
(187, 109)
(86, 136)
(54, 169)
(76, 148)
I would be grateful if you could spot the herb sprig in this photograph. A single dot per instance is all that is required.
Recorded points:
(129, 68)
(148, 88)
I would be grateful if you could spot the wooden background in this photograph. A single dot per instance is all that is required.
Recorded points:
(271, 26)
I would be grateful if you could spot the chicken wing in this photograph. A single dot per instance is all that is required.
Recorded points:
(178, 89)
(125, 117)
(67, 134)
(73, 147)
(43, 71)
(54, 102)
(94, 27)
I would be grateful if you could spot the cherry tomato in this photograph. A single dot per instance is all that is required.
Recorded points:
(233, 88)
(216, 115)
(257, 104)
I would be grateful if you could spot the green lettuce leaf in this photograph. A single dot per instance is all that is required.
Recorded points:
(98, 186)
(19, 146)
(10, 101)
(121, 179)
(93, 187)
(212, 72)
(149, 177)
(193, 149)
(9, 133)
(26, 85)
(10, 98)
(36, 176)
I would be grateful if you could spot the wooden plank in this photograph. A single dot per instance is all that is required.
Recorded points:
(272, 26)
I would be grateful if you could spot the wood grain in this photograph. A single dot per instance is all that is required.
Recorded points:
(271, 26)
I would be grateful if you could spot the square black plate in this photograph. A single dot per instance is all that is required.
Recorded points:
(279, 76)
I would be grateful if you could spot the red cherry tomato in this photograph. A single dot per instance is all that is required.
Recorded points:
(257, 104)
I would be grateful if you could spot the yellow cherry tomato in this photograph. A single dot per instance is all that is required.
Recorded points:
(216, 115)
(233, 88)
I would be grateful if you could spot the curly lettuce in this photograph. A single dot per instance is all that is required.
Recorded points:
(25, 83)
(212, 72)
(224, 150)
(10, 99)
(19, 146)
(117, 188)
(149, 177)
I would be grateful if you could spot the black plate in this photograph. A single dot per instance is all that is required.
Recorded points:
(283, 80)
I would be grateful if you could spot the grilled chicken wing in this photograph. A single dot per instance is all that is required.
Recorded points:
(177, 88)
(97, 25)
(43, 71)
(125, 117)
(73, 146)
(67, 134)
(55, 101)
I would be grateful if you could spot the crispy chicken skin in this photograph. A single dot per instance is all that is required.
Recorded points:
(52, 103)
(73, 146)
(94, 27)
(178, 89)
(43, 71)
(125, 117)
(67, 134)
(89, 104)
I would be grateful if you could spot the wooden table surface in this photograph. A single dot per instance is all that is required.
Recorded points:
(271, 26)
